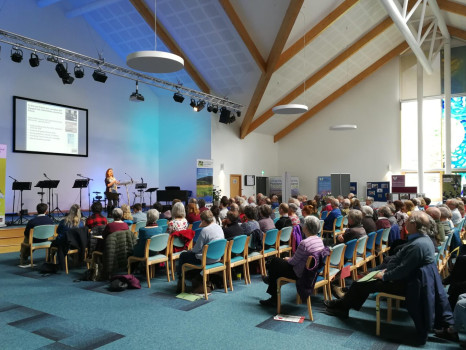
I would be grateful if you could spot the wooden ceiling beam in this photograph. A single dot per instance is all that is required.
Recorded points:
(285, 28)
(243, 33)
(147, 14)
(456, 32)
(349, 85)
(321, 73)
(314, 32)
(452, 6)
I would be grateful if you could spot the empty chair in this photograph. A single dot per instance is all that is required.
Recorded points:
(337, 257)
(39, 232)
(215, 250)
(383, 244)
(157, 243)
(360, 260)
(370, 249)
(284, 240)
(350, 258)
(238, 246)
(269, 240)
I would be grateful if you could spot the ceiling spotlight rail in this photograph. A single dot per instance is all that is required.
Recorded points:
(56, 54)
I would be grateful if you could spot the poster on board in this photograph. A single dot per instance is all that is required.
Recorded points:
(324, 185)
(204, 179)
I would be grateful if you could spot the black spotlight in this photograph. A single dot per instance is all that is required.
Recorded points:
(238, 114)
(215, 109)
(34, 60)
(224, 115)
(78, 72)
(178, 97)
(16, 55)
(61, 70)
(136, 96)
(99, 76)
(209, 108)
(193, 103)
(200, 106)
(68, 79)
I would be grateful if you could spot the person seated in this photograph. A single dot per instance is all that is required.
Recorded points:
(96, 219)
(332, 215)
(202, 206)
(146, 233)
(265, 222)
(193, 213)
(284, 220)
(382, 222)
(72, 220)
(356, 204)
(232, 227)
(345, 206)
(224, 203)
(127, 217)
(328, 203)
(293, 267)
(275, 203)
(216, 212)
(138, 214)
(370, 202)
(368, 219)
(178, 222)
(159, 207)
(355, 229)
(417, 253)
(292, 214)
(40, 219)
(210, 232)
(445, 216)
(251, 224)
(453, 204)
(117, 225)
(296, 202)
(435, 214)
(409, 207)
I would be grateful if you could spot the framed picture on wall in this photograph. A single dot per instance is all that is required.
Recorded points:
(249, 180)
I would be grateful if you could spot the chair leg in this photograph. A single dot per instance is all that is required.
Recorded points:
(168, 271)
(225, 286)
(248, 277)
(279, 298)
(32, 262)
(309, 308)
(230, 279)
(182, 280)
(204, 282)
(389, 309)
(377, 314)
(129, 267)
(66, 263)
(245, 274)
(172, 263)
(148, 274)
(262, 266)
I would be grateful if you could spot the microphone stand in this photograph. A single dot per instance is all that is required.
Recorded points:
(88, 193)
(50, 203)
(14, 199)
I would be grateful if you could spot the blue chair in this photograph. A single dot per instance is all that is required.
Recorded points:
(370, 249)
(157, 243)
(253, 256)
(239, 246)
(136, 226)
(275, 220)
(284, 236)
(215, 250)
(164, 227)
(323, 214)
(321, 229)
(361, 254)
(40, 232)
(269, 239)
(161, 222)
(195, 225)
(337, 224)
(196, 235)
(337, 258)
(382, 245)
(176, 241)
(350, 258)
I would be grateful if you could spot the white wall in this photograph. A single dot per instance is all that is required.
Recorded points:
(250, 156)
(366, 153)
(119, 131)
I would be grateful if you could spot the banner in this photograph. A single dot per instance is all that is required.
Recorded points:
(2, 183)
(324, 185)
(204, 179)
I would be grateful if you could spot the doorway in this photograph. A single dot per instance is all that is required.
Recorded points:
(235, 185)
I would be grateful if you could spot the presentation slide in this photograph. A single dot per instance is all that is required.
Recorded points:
(44, 127)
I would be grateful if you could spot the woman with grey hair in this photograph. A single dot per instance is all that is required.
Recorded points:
(146, 232)
(368, 221)
(293, 267)
(178, 222)
(117, 225)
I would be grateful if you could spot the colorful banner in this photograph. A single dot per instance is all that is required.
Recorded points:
(324, 185)
(2, 183)
(204, 179)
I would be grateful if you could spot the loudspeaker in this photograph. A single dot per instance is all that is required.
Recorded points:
(224, 116)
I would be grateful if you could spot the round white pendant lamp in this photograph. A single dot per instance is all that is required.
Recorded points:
(342, 127)
(292, 108)
(155, 61)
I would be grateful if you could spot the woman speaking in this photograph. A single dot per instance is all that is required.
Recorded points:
(111, 191)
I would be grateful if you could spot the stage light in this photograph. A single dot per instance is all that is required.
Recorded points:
(224, 115)
(68, 79)
(238, 114)
(136, 96)
(99, 76)
(215, 109)
(61, 70)
(209, 108)
(178, 97)
(78, 72)
(193, 103)
(16, 55)
(34, 60)
(200, 106)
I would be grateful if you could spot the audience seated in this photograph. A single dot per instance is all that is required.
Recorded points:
(275, 202)
(117, 225)
(40, 219)
(224, 203)
(356, 204)
(284, 220)
(72, 220)
(159, 207)
(435, 214)
(445, 216)
(138, 214)
(145, 233)
(265, 222)
(178, 222)
(127, 217)
(292, 214)
(216, 213)
(202, 206)
(293, 267)
(332, 215)
(453, 204)
(210, 232)
(345, 206)
(367, 221)
(251, 224)
(96, 219)
(382, 222)
(193, 213)
(232, 227)
(355, 228)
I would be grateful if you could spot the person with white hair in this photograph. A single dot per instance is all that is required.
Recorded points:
(328, 222)
(355, 229)
(367, 220)
(455, 213)
(178, 222)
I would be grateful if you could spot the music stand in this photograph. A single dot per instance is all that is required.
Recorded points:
(150, 190)
(81, 183)
(50, 185)
(140, 188)
(20, 186)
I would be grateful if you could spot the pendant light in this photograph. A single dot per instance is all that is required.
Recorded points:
(155, 61)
